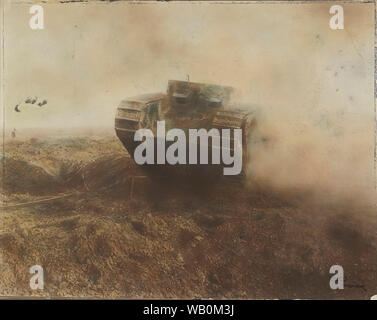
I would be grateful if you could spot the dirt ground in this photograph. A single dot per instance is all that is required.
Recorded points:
(227, 241)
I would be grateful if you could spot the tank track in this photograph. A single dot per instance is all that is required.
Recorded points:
(236, 119)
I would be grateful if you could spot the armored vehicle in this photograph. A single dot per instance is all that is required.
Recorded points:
(186, 106)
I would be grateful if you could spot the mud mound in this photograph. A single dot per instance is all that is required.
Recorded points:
(53, 177)
(23, 177)
(217, 241)
(108, 171)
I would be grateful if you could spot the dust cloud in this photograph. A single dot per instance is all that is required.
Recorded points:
(311, 90)
(311, 87)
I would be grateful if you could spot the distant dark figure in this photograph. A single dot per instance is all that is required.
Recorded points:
(16, 108)
(34, 100)
(42, 103)
(28, 100)
(13, 133)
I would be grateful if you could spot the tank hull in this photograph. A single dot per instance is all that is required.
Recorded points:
(187, 109)
(172, 172)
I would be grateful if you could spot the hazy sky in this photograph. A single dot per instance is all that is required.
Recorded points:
(90, 56)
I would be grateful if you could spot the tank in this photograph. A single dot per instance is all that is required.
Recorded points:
(186, 105)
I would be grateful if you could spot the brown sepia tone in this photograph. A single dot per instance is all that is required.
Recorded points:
(308, 204)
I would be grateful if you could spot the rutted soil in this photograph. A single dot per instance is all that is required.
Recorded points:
(169, 242)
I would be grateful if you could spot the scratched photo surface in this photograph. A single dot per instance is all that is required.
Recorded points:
(75, 203)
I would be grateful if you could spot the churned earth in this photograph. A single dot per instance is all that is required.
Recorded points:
(96, 239)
